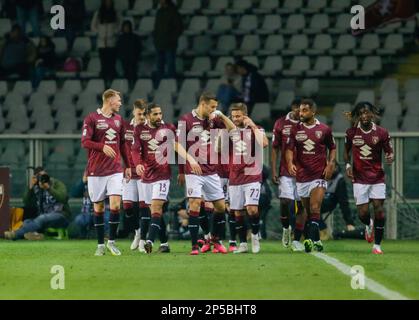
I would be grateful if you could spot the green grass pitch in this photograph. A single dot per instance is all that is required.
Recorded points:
(274, 273)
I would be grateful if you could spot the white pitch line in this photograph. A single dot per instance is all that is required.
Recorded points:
(369, 283)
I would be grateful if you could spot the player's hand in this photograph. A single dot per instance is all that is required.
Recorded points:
(328, 171)
(109, 151)
(34, 181)
(195, 167)
(44, 186)
(128, 174)
(139, 170)
(292, 169)
(350, 227)
(350, 174)
(215, 114)
(248, 122)
(389, 158)
(181, 179)
(275, 179)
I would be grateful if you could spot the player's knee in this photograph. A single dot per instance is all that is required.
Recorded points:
(194, 204)
(315, 208)
(252, 210)
(220, 206)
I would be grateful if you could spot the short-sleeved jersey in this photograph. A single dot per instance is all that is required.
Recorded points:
(245, 164)
(98, 131)
(282, 130)
(310, 144)
(367, 148)
(196, 137)
(155, 149)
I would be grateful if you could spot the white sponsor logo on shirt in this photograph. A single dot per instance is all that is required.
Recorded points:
(145, 136)
(110, 134)
(153, 144)
(102, 126)
(301, 137)
(365, 150)
(358, 142)
(240, 147)
(309, 145)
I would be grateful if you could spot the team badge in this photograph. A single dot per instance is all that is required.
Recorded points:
(117, 123)
(375, 139)
(190, 191)
(318, 134)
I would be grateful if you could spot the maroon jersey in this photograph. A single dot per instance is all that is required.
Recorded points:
(153, 148)
(282, 130)
(98, 131)
(129, 140)
(243, 168)
(309, 144)
(367, 150)
(194, 134)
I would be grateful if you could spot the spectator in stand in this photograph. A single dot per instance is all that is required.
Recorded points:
(230, 87)
(75, 12)
(45, 61)
(106, 23)
(29, 11)
(129, 49)
(254, 88)
(17, 54)
(168, 27)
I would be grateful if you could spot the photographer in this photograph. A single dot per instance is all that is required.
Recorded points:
(49, 197)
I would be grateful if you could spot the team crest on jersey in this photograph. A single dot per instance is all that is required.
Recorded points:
(102, 126)
(248, 135)
(117, 123)
(286, 131)
(318, 134)
(190, 191)
(129, 136)
(145, 136)
(197, 129)
(301, 137)
(375, 139)
(358, 142)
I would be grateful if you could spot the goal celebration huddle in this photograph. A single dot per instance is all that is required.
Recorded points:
(220, 160)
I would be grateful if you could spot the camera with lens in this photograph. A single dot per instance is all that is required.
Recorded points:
(43, 178)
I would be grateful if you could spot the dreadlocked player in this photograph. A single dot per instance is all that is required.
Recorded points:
(367, 140)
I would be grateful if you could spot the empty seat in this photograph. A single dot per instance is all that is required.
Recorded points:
(93, 5)
(200, 46)
(340, 108)
(270, 25)
(142, 89)
(60, 46)
(309, 87)
(411, 85)
(322, 66)
(389, 96)
(37, 98)
(261, 111)
(2, 123)
(200, 66)
(318, 23)
(219, 66)
(287, 85)
(412, 108)
(95, 86)
(369, 43)
(249, 45)
(391, 123)
(190, 86)
(297, 44)
(221, 25)
(48, 87)
(346, 43)
(67, 126)
(44, 124)
(343, 22)
(189, 7)
(18, 123)
(295, 23)
(389, 84)
(266, 6)
(3, 88)
(321, 44)
(72, 86)
(283, 100)
(247, 24)
(347, 65)
(389, 28)
(290, 6)
(11, 100)
(412, 97)
(225, 45)
(370, 66)
(410, 124)
(168, 85)
(141, 7)
(408, 28)
(239, 7)
(198, 25)
(146, 26)
(212, 85)
(273, 45)
(392, 44)
(81, 46)
(215, 7)
(337, 6)
(272, 66)
(121, 5)
(120, 85)
(93, 68)
(23, 88)
(314, 6)
(366, 95)
(299, 65)
(85, 98)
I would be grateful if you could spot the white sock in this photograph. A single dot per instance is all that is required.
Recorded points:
(164, 244)
(111, 241)
(376, 246)
(207, 236)
(100, 245)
